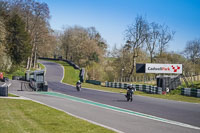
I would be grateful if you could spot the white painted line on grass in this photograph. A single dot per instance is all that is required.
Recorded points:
(9, 84)
(3, 84)
(20, 98)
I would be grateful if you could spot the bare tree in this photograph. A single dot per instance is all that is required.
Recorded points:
(135, 38)
(2, 32)
(39, 29)
(95, 35)
(36, 16)
(3, 15)
(82, 46)
(192, 50)
(165, 36)
(152, 39)
(51, 46)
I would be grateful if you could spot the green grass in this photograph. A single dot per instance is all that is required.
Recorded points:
(171, 96)
(22, 116)
(19, 72)
(72, 75)
(11, 95)
(98, 87)
(143, 83)
(195, 84)
(41, 66)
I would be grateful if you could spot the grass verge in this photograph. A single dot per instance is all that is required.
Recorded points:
(72, 76)
(41, 66)
(20, 71)
(22, 116)
(170, 96)
(98, 87)
(11, 95)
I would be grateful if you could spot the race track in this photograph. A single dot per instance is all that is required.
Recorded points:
(182, 116)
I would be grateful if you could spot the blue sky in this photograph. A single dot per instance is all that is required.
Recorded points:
(111, 17)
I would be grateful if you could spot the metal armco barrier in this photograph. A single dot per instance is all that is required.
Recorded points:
(95, 82)
(190, 92)
(144, 88)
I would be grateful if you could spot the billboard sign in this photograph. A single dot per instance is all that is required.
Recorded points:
(163, 68)
(140, 68)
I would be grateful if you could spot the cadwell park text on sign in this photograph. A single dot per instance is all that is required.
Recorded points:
(163, 68)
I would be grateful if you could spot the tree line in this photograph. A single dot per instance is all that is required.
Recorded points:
(24, 28)
(147, 42)
(25, 34)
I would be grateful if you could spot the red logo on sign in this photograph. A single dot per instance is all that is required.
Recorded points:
(176, 68)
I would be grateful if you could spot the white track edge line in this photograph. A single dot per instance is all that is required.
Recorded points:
(166, 120)
(93, 122)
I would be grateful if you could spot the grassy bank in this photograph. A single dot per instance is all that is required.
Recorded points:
(41, 66)
(171, 96)
(18, 72)
(22, 116)
(72, 76)
(194, 84)
(21, 71)
(11, 95)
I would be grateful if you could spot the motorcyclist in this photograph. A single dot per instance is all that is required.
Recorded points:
(130, 91)
(78, 83)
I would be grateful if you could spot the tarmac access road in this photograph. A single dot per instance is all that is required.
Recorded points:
(144, 114)
(2, 83)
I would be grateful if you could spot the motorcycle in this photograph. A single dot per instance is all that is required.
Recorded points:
(78, 87)
(129, 95)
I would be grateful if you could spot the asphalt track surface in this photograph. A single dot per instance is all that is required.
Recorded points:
(187, 113)
(177, 111)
